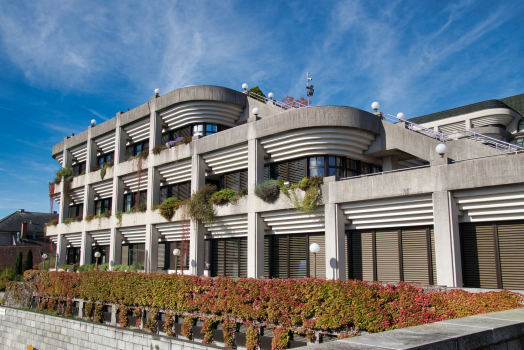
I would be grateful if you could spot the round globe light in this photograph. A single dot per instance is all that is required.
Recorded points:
(93, 122)
(244, 86)
(176, 252)
(256, 111)
(375, 106)
(441, 149)
(314, 248)
(97, 254)
(157, 91)
(400, 116)
(271, 95)
(44, 256)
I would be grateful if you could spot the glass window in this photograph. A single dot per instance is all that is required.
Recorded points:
(316, 171)
(316, 161)
(521, 126)
(128, 202)
(316, 166)
(163, 193)
(98, 207)
(211, 129)
(138, 148)
(351, 167)
(198, 130)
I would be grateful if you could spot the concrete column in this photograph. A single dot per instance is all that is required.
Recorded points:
(152, 237)
(89, 201)
(335, 242)
(92, 149)
(155, 125)
(255, 245)
(196, 228)
(64, 204)
(255, 170)
(389, 163)
(153, 187)
(118, 195)
(198, 172)
(68, 159)
(468, 124)
(447, 240)
(86, 250)
(120, 141)
(61, 247)
(115, 248)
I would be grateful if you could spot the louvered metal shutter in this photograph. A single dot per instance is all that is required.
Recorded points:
(184, 190)
(217, 257)
(433, 259)
(243, 180)
(279, 170)
(348, 233)
(267, 256)
(297, 170)
(161, 257)
(321, 255)
(387, 256)
(232, 181)
(179, 263)
(279, 257)
(361, 256)
(415, 255)
(231, 254)
(478, 256)
(298, 249)
(243, 256)
(125, 255)
(266, 172)
(511, 248)
(229, 257)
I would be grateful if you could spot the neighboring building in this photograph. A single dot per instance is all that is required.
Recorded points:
(31, 227)
(392, 208)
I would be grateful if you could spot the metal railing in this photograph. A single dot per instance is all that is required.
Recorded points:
(283, 106)
(416, 127)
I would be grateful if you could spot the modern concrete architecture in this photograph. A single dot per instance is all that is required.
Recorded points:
(391, 208)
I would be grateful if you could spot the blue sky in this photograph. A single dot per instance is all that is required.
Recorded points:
(63, 63)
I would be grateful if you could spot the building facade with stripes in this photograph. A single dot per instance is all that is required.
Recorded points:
(391, 209)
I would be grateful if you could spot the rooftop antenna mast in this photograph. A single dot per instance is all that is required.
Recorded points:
(309, 88)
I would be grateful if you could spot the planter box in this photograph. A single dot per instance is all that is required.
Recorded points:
(265, 342)
(328, 338)
(197, 334)
(218, 335)
(240, 339)
(106, 313)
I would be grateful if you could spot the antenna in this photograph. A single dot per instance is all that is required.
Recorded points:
(309, 88)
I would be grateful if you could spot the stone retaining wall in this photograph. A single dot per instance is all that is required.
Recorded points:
(20, 328)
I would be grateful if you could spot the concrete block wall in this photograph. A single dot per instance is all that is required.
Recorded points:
(20, 328)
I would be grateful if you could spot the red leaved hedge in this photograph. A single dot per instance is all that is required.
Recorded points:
(311, 303)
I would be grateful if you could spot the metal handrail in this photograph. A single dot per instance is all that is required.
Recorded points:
(487, 140)
(283, 106)
(416, 127)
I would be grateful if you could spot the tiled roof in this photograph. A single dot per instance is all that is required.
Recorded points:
(474, 107)
(38, 247)
(516, 102)
(13, 222)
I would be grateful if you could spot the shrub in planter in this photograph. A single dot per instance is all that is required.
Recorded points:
(138, 208)
(122, 317)
(252, 342)
(280, 339)
(105, 214)
(103, 267)
(138, 314)
(53, 222)
(90, 217)
(187, 327)
(118, 216)
(168, 207)
(157, 149)
(199, 206)
(88, 309)
(223, 196)
(207, 330)
(168, 325)
(151, 323)
(267, 190)
(98, 318)
(228, 327)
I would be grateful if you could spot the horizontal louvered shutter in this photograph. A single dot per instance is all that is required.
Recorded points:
(243, 180)
(348, 271)
(321, 255)
(266, 172)
(231, 256)
(217, 257)
(297, 170)
(232, 181)
(184, 190)
(279, 170)
(298, 256)
(478, 256)
(511, 248)
(388, 263)
(267, 256)
(433, 259)
(161, 257)
(362, 255)
(415, 255)
(243, 256)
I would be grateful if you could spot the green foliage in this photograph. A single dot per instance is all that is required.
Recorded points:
(168, 207)
(138, 314)
(207, 330)
(28, 263)
(257, 91)
(151, 323)
(280, 339)
(98, 317)
(53, 222)
(199, 206)
(311, 186)
(18, 263)
(106, 214)
(118, 216)
(267, 190)
(168, 324)
(122, 318)
(103, 267)
(105, 166)
(138, 208)
(3, 282)
(65, 172)
(252, 342)
(187, 327)
(88, 310)
(228, 328)
(89, 217)
(85, 268)
(69, 308)
(157, 149)
(223, 196)
(68, 221)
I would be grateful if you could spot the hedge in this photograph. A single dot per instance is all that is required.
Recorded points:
(313, 304)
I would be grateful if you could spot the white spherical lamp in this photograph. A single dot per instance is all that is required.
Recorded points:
(157, 91)
(375, 106)
(441, 149)
(97, 255)
(256, 111)
(400, 116)
(314, 248)
(244, 86)
(93, 122)
(44, 256)
(176, 252)
(271, 95)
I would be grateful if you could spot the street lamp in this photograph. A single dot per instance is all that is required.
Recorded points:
(44, 256)
(97, 255)
(441, 149)
(256, 111)
(176, 253)
(314, 248)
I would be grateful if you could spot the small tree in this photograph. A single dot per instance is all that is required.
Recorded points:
(28, 263)
(18, 264)
(259, 92)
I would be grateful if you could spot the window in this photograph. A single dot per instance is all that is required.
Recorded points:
(130, 200)
(234, 181)
(292, 170)
(73, 256)
(174, 134)
(181, 191)
(79, 169)
(166, 259)
(226, 257)
(105, 158)
(336, 166)
(76, 210)
(366, 168)
(351, 167)
(102, 205)
(521, 126)
(135, 149)
(134, 254)
(104, 254)
(316, 166)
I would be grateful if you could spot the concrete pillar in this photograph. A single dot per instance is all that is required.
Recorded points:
(447, 240)
(468, 124)
(335, 242)
(92, 149)
(155, 125)
(255, 170)
(196, 248)
(255, 245)
(64, 204)
(68, 159)
(153, 187)
(120, 141)
(86, 250)
(115, 248)
(118, 195)
(61, 247)
(198, 172)
(89, 201)
(152, 237)
(389, 163)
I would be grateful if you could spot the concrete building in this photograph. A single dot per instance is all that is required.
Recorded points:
(391, 208)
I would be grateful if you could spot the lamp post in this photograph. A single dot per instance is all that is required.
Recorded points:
(314, 248)
(441, 149)
(176, 253)
(97, 255)
(44, 256)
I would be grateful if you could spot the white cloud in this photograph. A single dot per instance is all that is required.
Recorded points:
(97, 114)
